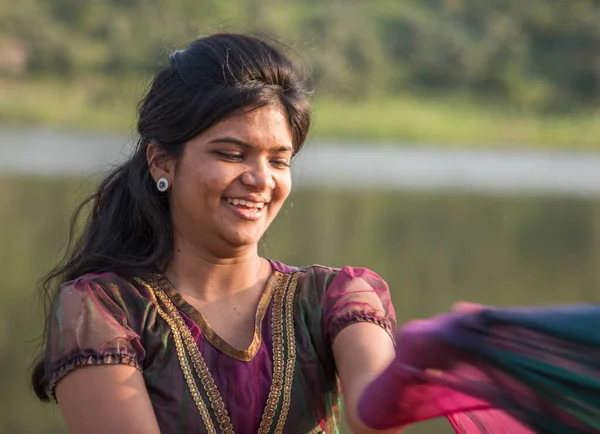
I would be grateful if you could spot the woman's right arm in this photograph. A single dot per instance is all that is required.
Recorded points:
(106, 398)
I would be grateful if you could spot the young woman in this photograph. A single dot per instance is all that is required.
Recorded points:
(164, 318)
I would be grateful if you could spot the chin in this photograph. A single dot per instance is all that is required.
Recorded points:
(243, 240)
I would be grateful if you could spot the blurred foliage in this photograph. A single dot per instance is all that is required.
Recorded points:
(101, 103)
(537, 53)
(432, 249)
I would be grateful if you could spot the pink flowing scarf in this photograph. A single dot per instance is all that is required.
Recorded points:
(494, 371)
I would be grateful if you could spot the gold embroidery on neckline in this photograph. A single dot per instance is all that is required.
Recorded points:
(282, 326)
(210, 335)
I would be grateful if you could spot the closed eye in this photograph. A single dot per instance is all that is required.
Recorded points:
(230, 156)
(280, 163)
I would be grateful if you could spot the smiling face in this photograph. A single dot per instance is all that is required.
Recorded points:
(230, 181)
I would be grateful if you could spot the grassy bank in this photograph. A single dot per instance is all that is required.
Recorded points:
(103, 104)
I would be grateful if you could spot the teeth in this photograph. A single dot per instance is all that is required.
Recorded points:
(246, 203)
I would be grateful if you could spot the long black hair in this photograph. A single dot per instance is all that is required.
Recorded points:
(128, 230)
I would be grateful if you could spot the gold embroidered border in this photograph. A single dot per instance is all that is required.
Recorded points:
(185, 367)
(281, 327)
(200, 367)
(291, 352)
(278, 356)
(209, 334)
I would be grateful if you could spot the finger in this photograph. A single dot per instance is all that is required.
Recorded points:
(466, 307)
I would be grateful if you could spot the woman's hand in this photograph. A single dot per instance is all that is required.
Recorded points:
(467, 307)
(423, 348)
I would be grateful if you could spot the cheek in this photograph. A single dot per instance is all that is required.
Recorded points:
(283, 188)
(204, 182)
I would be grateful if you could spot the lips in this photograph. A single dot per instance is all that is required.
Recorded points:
(246, 209)
(247, 203)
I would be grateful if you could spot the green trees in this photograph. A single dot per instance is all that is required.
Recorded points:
(538, 53)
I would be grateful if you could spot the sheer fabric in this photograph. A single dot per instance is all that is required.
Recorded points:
(495, 371)
(105, 319)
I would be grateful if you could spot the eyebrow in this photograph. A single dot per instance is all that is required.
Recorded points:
(245, 144)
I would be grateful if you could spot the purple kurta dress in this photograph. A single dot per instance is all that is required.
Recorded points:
(105, 319)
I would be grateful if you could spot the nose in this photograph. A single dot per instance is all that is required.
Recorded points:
(258, 176)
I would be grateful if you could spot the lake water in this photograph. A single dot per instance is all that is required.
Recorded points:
(339, 165)
(433, 249)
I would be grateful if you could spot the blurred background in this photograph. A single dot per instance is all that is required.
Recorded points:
(454, 150)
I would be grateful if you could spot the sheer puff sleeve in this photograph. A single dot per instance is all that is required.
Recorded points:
(357, 295)
(94, 320)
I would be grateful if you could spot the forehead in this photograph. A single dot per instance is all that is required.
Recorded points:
(265, 126)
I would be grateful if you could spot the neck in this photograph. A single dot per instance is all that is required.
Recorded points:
(208, 277)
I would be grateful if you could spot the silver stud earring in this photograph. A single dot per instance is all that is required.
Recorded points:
(162, 185)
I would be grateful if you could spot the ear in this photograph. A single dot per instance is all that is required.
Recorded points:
(159, 163)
